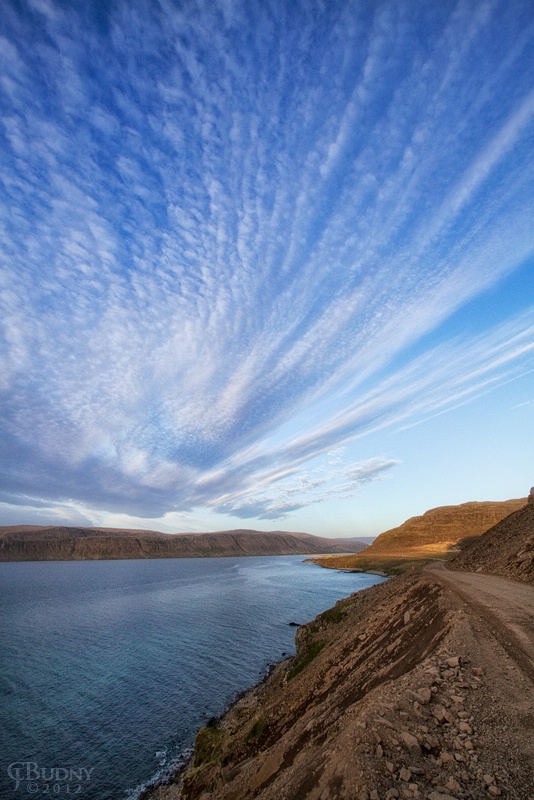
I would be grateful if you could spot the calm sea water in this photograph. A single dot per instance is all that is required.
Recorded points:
(106, 663)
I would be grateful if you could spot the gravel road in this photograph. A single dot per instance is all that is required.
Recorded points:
(506, 606)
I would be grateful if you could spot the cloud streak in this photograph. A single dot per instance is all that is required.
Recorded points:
(221, 261)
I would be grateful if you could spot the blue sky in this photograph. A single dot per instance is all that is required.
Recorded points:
(264, 264)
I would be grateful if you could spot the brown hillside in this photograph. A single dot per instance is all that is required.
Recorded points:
(432, 535)
(394, 693)
(506, 549)
(55, 543)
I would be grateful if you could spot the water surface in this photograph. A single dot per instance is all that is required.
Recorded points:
(106, 663)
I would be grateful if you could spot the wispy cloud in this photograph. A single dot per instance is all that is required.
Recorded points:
(215, 256)
(307, 488)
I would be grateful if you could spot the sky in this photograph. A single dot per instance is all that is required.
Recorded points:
(264, 263)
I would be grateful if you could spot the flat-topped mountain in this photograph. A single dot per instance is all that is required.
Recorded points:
(432, 535)
(56, 543)
(505, 549)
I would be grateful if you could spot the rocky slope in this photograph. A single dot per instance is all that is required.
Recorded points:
(397, 692)
(432, 535)
(421, 687)
(33, 543)
(505, 549)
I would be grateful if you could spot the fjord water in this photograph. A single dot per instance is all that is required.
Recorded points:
(105, 663)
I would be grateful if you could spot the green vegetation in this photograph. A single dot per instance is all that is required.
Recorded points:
(393, 566)
(380, 565)
(335, 614)
(257, 729)
(306, 657)
(208, 745)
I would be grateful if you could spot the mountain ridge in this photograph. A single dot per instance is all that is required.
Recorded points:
(435, 534)
(63, 543)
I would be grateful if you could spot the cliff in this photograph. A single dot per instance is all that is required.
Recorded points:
(435, 534)
(34, 543)
(505, 549)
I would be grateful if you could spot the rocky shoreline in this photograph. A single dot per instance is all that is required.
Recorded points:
(420, 687)
(396, 692)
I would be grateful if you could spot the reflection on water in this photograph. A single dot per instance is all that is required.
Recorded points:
(111, 666)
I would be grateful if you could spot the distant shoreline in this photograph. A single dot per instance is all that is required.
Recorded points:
(20, 543)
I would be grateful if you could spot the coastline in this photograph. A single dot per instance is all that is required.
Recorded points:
(183, 761)
(169, 787)
(396, 691)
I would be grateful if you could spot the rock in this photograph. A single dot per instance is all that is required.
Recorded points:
(294, 624)
(494, 791)
(407, 617)
(379, 751)
(530, 498)
(453, 662)
(424, 696)
(411, 742)
(452, 785)
(442, 714)
(430, 742)
(405, 774)
(465, 727)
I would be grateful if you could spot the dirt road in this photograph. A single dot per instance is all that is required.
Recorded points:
(506, 606)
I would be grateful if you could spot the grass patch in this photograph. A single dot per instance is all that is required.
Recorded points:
(208, 745)
(305, 658)
(381, 564)
(333, 615)
(257, 729)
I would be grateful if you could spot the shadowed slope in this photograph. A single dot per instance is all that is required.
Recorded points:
(506, 549)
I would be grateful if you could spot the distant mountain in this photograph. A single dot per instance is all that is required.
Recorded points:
(505, 549)
(432, 535)
(364, 539)
(41, 543)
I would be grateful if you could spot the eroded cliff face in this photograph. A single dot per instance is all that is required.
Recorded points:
(448, 524)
